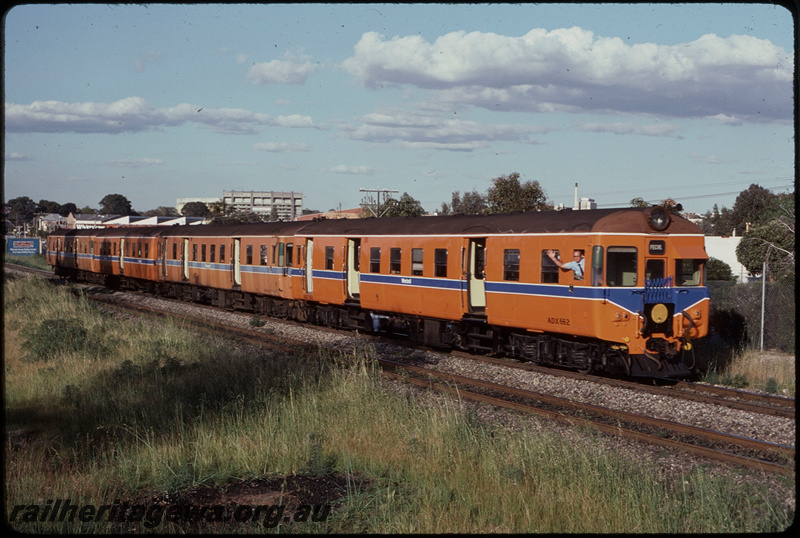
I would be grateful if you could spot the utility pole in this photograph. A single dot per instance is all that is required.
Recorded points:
(378, 206)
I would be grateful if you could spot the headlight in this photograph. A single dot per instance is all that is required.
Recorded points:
(659, 313)
(658, 219)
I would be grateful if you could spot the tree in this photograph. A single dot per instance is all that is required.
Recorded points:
(721, 222)
(68, 208)
(21, 210)
(115, 204)
(771, 240)
(406, 206)
(162, 211)
(507, 195)
(46, 206)
(750, 207)
(195, 209)
(718, 270)
(472, 203)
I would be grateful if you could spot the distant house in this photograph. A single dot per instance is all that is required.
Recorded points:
(52, 221)
(81, 221)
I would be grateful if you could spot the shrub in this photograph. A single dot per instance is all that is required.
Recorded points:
(53, 336)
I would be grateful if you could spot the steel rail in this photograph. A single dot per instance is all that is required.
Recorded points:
(720, 455)
(770, 404)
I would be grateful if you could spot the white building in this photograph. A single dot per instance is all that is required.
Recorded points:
(287, 205)
(724, 249)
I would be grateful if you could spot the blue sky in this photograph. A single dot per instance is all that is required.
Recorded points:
(160, 102)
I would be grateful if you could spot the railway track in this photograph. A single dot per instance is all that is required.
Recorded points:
(767, 404)
(711, 444)
(719, 446)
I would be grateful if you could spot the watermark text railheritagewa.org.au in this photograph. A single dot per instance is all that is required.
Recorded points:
(63, 510)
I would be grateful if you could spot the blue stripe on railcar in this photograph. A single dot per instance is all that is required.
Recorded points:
(419, 282)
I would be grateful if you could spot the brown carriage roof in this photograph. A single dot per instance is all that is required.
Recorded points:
(624, 220)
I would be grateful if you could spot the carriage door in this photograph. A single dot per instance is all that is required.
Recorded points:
(475, 275)
(353, 274)
(186, 259)
(164, 256)
(122, 256)
(236, 262)
(309, 269)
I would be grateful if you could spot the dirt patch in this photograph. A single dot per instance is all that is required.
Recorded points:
(261, 503)
(293, 490)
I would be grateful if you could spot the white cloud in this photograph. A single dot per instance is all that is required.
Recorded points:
(621, 128)
(134, 163)
(289, 71)
(572, 69)
(281, 147)
(345, 169)
(134, 114)
(422, 130)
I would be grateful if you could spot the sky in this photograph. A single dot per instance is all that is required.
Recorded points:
(158, 102)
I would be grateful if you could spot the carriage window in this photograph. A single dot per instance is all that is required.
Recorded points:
(146, 250)
(416, 261)
(248, 260)
(202, 253)
(621, 270)
(174, 251)
(281, 254)
(212, 254)
(688, 272)
(329, 258)
(221, 253)
(550, 269)
(375, 260)
(597, 265)
(138, 250)
(440, 262)
(289, 254)
(653, 269)
(395, 256)
(194, 253)
(263, 255)
(511, 264)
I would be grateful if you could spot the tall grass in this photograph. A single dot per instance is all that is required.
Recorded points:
(136, 408)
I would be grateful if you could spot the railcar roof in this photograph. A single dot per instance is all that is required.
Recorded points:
(625, 220)
(620, 220)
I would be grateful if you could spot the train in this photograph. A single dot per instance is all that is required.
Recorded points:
(630, 303)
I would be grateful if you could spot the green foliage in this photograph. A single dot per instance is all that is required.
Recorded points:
(54, 336)
(507, 195)
(406, 206)
(737, 380)
(771, 386)
(472, 203)
(718, 270)
(256, 321)
(195, 209)
(116, 204)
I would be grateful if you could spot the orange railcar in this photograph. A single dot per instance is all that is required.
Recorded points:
(494, 283)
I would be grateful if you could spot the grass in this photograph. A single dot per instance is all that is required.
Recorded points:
(36, 261)
(770, 371)
(137, 409)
